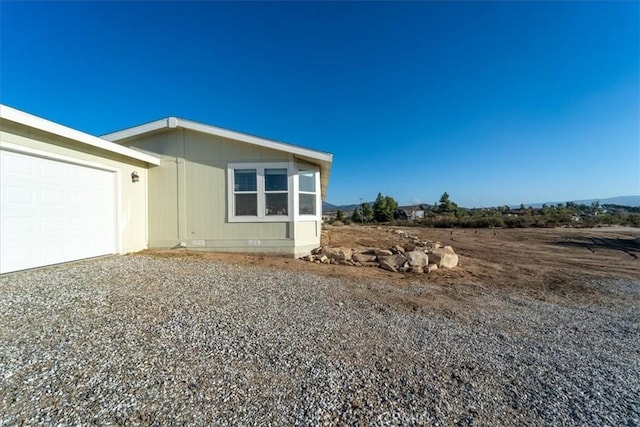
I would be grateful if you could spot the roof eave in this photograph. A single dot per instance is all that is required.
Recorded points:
(174, 122)
(29, 120)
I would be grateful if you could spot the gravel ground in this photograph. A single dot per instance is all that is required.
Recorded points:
(144, 340)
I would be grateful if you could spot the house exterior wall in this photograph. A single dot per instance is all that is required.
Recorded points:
(188, 196)
(131, 203)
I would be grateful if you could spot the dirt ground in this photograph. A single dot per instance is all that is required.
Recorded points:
(548, 264)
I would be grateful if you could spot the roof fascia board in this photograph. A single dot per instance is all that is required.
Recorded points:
(26, 119)
(137, 130)
(173, 122)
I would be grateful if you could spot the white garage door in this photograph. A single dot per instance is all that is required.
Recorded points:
(52, 212)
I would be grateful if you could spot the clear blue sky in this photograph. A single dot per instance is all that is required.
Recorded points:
(494, 102)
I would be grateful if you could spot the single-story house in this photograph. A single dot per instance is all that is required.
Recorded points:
(67, 195)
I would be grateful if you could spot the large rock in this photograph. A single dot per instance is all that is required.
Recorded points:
(444, 257)
(387, 266)
(392, 262)
(363, 257)
(417, 258)
(370, 264)
(382, 252)
(338, 254)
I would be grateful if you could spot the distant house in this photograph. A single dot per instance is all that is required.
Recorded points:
(400, 214)
(68, 195)
(416, 214)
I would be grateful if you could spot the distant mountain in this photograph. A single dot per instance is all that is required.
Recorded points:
(328, 207)
(633, 201)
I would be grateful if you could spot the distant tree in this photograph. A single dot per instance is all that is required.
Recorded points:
(445, 205)
(522, 206)
(461, 212)
(384, 207)
(356, 216)
(392, 205)
(367, 212)
(544, 211)
(340, 215)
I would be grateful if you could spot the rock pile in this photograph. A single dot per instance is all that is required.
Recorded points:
(418, 257)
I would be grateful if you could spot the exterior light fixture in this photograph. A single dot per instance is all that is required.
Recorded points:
(135, 177)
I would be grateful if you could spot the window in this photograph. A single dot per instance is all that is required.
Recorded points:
(245, 192)
(307, 192)
(259, 192)
(276, 185)
(272, 192)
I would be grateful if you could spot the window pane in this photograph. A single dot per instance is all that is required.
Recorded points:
(307, 181)
(307, 204)
(244, 180)
(247, 204)
(275, 180)
(277, 204)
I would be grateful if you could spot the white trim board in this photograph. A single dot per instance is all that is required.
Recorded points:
(26, 119)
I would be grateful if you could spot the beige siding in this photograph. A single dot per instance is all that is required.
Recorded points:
(307, 233)
(307, 230)
(164, 143)
(188, 196)
(132, 197)
(163, 201)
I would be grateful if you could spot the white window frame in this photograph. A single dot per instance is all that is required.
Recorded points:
(297, 192)
(261, 194)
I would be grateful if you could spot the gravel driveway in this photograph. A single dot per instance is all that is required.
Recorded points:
(145, 340)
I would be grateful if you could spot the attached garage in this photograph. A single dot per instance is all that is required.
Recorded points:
(53, 211)
(65, 195)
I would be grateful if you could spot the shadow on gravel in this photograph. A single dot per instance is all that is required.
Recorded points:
(629, 246)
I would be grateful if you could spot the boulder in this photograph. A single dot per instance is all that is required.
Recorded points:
(416, 270)
(399, 249)
(371, 264)
(339, 254)
(387, 266)
(316, 251)
(431, 267)
(392, 262)
(323, 259)
(444, 257)
(382, 252)
(417, 258)
(363, 257)
(367, 251)
(409, 247)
